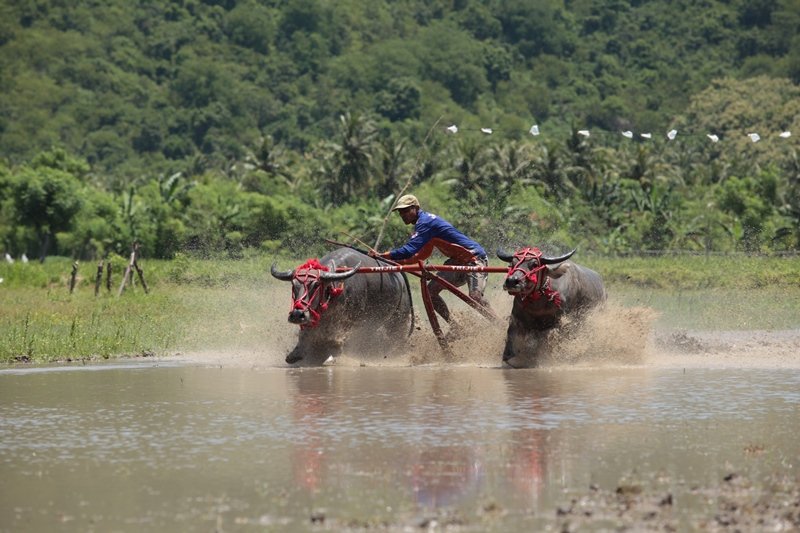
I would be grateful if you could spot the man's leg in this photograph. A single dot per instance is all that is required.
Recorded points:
(438, 303)
(476, 281)
(455, 278)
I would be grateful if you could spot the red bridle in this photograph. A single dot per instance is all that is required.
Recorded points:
(308, 275)
(536, 275)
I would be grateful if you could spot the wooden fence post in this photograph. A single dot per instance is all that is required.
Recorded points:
(98, 280)
(128, 276)
(141, 276)
(73, 277)
(108, 276)
(127, 273)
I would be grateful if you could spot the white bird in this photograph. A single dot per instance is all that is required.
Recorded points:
(713, 137)
(24, 258)
(672, 134)
(9, 259)
(453, 129)
(534, 130)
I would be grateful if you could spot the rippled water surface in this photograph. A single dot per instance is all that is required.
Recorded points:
(174, 447)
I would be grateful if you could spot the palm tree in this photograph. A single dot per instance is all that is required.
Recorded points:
(510, 163)
(268, 157)
(391, 165)
(352, 155)
(552, 170)
(470, 162)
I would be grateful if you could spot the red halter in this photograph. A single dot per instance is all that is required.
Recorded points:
(308, 274)
(537, 276)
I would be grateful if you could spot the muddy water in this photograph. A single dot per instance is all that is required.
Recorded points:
(195, 445)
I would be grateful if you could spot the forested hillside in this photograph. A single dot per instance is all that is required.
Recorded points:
(209, 125)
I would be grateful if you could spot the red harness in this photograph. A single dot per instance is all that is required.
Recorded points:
(537, 276)
(308, 274)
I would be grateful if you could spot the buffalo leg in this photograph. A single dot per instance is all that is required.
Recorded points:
(508, 351)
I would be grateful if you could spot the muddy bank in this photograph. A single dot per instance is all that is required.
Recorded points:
(735, 504)
(741, 349)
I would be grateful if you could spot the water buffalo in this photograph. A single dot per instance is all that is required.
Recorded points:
(545, 290)
(338, 310)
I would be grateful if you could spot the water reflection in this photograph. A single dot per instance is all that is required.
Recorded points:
(311, 400)
(527, 463)
(189, 448)
(437, 448)
(445, 475)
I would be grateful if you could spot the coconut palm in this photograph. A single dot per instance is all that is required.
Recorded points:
(350, 159)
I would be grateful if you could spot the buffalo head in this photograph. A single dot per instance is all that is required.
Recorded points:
(530, 269)
(313, 286)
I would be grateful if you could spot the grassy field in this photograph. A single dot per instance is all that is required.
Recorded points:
(195, 304)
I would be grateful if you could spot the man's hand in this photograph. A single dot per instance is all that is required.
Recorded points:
(377, 254)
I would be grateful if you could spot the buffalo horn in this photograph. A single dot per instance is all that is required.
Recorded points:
(504, 255)
(554, 260)
(283, 276)
(337, 276)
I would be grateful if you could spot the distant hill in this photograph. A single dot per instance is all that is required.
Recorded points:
(138, 85)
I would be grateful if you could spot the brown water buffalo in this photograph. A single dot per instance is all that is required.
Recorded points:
(545, 290)
(344, 311)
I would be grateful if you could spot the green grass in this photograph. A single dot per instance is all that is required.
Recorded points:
(698, 272)
(196, 304)
(708, 293)
(190, 303)
(39, 324)
(767, 308)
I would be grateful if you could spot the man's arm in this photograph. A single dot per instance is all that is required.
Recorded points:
(383, 255)
(415, 244)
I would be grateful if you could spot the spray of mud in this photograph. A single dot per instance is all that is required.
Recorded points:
(249, 327)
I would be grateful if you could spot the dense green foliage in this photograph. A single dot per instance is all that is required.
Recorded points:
(222, 125)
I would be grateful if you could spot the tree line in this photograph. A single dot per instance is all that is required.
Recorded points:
(603, 193)
(223, 126)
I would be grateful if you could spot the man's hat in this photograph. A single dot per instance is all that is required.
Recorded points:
(407, 200)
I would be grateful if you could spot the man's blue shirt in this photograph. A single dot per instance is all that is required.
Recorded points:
(432, 231)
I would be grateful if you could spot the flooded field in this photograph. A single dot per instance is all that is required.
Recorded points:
(195, 445)
(638, 423)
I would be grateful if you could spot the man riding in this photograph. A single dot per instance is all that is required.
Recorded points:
(432, 231)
